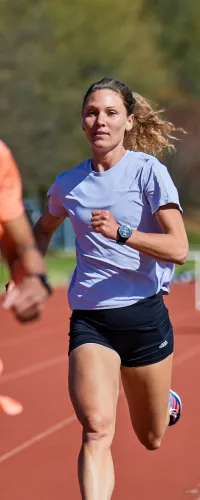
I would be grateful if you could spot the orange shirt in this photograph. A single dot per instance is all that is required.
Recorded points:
(11, 204)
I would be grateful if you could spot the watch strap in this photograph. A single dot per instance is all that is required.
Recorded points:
(44, 280)
(120, 240)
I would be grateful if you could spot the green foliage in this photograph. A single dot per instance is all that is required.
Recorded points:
(194, 238)
(179, 39)
(51, 51)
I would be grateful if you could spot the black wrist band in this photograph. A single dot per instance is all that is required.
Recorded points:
(44, 281)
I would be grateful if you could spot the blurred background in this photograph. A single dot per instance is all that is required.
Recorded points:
(51, 51)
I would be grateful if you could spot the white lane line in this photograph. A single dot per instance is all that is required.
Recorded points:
(37, 438)
(28, 337)
(42, 435)
(33, 368)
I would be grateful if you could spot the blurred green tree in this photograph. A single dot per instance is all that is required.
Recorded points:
(52, 50)
(50, 53)
(179, 38)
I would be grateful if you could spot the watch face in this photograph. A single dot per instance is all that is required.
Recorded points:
(125, 231)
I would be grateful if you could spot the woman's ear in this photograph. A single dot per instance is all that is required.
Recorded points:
(129, 123)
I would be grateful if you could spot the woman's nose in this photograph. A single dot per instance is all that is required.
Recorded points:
(100, 119)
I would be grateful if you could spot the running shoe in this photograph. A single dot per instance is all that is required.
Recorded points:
(175, 407)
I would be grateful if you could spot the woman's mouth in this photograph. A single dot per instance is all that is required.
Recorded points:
(100, 133)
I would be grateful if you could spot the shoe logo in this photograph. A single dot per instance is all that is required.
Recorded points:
(163, 344)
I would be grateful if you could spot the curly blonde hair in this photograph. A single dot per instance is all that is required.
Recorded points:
(150, 133)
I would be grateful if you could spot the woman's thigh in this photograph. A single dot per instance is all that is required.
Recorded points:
(94, 372)
(147, 392)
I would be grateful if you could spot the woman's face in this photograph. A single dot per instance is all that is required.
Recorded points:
(105, 120)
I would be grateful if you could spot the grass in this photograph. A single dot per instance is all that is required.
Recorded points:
(188, 266)
(60, 266)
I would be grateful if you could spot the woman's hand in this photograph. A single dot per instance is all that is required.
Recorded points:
(103, 222)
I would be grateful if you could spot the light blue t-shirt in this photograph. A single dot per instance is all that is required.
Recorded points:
(109, 275)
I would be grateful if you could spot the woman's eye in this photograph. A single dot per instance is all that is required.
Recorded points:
(112, 112)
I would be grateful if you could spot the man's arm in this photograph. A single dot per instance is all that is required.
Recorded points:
(24, 260)
(20, 250)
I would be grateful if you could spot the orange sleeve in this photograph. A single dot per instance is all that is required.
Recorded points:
(11, 204)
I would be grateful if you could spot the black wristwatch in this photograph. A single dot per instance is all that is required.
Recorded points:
(44, 281)
(123, 233)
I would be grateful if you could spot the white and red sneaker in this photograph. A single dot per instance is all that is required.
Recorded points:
(175, 407)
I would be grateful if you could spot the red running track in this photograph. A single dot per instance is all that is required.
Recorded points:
(39, 447)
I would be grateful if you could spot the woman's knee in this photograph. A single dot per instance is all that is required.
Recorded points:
(151, 441)
(98, 427)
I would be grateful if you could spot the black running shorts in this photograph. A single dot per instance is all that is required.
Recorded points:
(141, 334)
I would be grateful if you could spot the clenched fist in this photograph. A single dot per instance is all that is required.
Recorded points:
(103, 222)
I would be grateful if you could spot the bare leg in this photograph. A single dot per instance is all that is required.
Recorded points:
(94, 386)
(147, 392)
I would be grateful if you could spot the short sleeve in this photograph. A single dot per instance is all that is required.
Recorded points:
(159, 188)
(55, 199)
(11, 203)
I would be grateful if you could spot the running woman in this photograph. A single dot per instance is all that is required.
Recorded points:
(127, 218)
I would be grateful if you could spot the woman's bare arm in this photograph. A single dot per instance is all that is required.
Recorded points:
(45, 228)
(170, 246)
